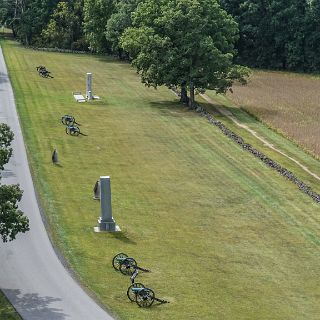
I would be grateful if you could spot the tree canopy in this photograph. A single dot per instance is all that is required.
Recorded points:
(274, 34)
(118, 22)
(12, 220)
(277, 34)
(184, 42)
(96, 15)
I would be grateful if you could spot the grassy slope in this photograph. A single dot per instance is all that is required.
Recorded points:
(277, 140)
(225, 237)
(6, 310)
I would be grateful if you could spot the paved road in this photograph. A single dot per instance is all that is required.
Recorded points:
(31, 275)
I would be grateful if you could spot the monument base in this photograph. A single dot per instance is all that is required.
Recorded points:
(106, 226)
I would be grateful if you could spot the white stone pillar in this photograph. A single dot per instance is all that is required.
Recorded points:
(106, 221)
(89, 95)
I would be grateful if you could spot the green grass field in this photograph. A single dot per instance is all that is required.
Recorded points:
(6, 310)
(224, 236)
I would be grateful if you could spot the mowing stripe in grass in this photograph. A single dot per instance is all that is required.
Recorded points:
(224, 236)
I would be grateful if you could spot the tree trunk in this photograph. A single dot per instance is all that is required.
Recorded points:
(120, 53)
(13, 31)
(184, 94)
(191, 100)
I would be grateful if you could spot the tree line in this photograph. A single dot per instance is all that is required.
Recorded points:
(184, 43)
(274, 34)
(277, 34)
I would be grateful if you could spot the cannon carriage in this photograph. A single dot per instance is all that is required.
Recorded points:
(73, 130)
(126, 265)
(68, 120)
(137, 292)
(43, 72)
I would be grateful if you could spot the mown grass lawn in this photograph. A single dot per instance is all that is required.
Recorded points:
(224, 236)
(7, 312)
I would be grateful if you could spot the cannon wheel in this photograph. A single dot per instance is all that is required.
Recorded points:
(75, 132)
(128, 266)
(145, 298)
(131, 294)
(67, 120)
(115, 261)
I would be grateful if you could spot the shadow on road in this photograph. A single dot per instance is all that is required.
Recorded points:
(5, 174)
(32, 306)
(3, 78)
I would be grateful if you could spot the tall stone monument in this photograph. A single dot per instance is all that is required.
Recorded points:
(89, 95)
(106, 221)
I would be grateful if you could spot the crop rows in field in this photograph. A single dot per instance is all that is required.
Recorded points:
(287, 102)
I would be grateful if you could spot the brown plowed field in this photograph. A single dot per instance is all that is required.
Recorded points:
(288, 102)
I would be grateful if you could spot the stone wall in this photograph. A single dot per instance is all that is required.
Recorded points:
(256, 153)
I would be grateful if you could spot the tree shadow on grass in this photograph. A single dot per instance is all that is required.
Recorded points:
(33, 306)
(172, 109)
(177, 109)
(240, 113)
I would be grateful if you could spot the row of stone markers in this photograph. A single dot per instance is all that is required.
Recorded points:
(266, 160)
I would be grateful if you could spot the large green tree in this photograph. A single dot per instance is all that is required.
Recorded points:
(273, 33)
(189, 43)
(12, 220)
(29, 17)
(96, 15)
(6, 11)
(256, 44)
(64, 29)
(312, 36)
(118, 22)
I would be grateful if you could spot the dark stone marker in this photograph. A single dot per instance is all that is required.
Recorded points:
(96, 191)
(54, 156)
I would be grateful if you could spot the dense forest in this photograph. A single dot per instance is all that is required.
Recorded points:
(274, 34)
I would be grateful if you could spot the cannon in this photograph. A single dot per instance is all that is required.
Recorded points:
(73, 130)
(43, 72)
(68, 120)
(144, 297)
(126, 265)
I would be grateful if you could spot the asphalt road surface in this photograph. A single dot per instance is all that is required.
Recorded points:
(31, 275)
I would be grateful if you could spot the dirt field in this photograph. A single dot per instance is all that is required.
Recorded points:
(286, 101)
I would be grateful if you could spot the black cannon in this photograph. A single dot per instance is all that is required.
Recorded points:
(137, 292)
(68, 120)
(144, 297)
(43, 72)
(126, 265)
(73, 130)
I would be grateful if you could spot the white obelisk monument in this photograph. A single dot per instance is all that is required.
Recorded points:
(106, 221)
(89, 95)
